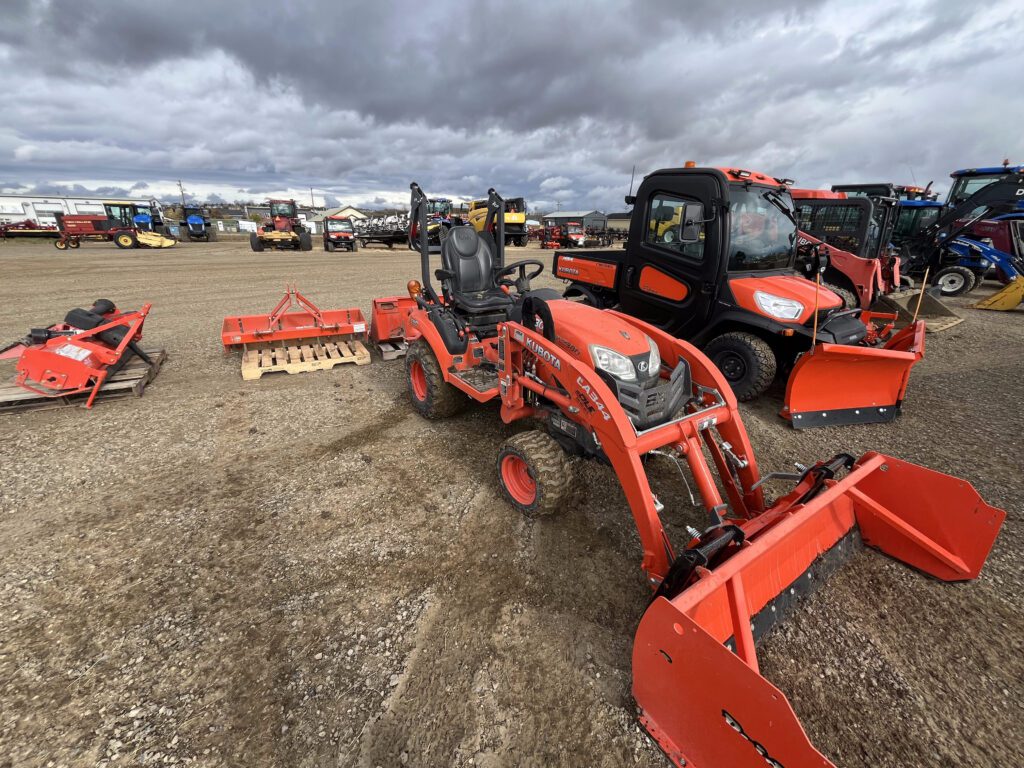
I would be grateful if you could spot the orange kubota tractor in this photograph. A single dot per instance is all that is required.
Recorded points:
(712, 257)
(602, 385)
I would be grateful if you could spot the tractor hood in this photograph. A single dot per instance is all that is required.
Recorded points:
(787, 298)
(581, 330)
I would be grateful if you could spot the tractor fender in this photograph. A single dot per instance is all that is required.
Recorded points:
(580, 291)
(424, 324)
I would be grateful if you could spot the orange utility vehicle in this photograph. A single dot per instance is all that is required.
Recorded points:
(713, 257)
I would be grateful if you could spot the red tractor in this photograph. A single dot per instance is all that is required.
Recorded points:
(282, 229)
(128, 226)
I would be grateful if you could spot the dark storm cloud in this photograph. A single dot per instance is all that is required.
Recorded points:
(558, 102)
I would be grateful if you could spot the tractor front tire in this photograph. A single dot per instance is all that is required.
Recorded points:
(746, 361)
(255, 243)
(305, 241)
(848, 297)
(955, 281)
(430, 394)
(535, 475)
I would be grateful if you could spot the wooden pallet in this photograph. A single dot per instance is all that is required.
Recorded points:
(389, 350)
(314, 355)
(130, 381)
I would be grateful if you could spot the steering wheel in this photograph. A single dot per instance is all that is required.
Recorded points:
(522, 282)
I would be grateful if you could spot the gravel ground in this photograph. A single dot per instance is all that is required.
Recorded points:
(300, 571)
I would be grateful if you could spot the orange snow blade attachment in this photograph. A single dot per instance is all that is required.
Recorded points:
(695, 672)
(840, 384)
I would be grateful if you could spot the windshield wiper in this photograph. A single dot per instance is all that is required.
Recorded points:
(774, 199)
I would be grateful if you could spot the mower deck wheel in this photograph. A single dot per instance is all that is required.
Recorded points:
(954, 281)
(535, 474)
(847, 296)
(430, 394)
(60, 245)
(746, 361)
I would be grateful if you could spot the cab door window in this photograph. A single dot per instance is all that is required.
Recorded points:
(669, 229)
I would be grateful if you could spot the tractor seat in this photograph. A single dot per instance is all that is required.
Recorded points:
(470, 260)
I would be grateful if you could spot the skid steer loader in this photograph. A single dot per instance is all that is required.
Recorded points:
(605, 386)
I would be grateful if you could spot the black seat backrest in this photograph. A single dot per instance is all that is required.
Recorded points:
(469, 257)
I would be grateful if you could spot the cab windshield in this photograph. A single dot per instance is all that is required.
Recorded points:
(439, 207)
(282, 209)
(965, 186)
(575, 229)
(762, 233)
(339, 225)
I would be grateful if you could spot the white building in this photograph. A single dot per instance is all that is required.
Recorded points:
(42, 208)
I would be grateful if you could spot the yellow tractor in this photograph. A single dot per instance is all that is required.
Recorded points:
(515, 219)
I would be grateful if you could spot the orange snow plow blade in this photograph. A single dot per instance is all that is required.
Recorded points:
(840, 384)
(695, 672)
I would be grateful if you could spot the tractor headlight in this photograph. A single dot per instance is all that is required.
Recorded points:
(654, 361)
(777, 306)
(611, 362)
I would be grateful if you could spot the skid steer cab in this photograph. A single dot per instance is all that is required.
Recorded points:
(604, 386)
(713, 256)
(282, 230)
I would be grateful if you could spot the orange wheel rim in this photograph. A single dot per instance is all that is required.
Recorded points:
(418, 377)
(515, 475)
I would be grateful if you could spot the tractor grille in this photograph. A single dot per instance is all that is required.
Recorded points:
(649, 405)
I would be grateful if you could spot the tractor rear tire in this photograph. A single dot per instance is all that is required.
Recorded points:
(125, 240)
(848, 297)
(430, 394)
(305, 241)
(255, 243)
(955, 281)
(535, 475)
(746, 361)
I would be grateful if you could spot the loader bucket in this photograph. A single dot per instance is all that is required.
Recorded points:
(935, 313)
(1006, 299)
(836, 384)
(695, 671)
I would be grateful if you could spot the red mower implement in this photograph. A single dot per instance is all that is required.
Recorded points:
(605, 386)
(296, 336)
(713, 257)
(80, 354)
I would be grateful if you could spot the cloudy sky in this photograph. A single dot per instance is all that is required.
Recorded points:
(557, 102)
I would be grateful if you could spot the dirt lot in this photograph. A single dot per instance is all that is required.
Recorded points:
(300, 571)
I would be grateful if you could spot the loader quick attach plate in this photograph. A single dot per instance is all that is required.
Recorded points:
(695, 671)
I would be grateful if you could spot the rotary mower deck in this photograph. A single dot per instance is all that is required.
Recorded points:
(296, 337)
(606, 386)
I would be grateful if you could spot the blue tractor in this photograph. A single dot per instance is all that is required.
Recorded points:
(196, 223)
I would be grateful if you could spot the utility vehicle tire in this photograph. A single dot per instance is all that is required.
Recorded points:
(125, 240)
(848, 297)
(954, 281)
(329, 246)
(534, 473)
(430, 394)
(355, 246)
(255, 243)
(305, 241)
(60, 245)
(746, 361)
